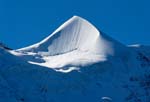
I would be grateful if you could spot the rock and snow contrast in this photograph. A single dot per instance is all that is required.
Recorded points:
(76, 63)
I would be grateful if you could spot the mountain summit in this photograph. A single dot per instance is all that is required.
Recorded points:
(79, 39)
(76, 34)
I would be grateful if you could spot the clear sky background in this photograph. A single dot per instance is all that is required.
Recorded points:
(25, 22)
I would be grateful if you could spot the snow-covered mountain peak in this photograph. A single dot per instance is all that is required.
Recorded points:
(75, 34)
(76, 40)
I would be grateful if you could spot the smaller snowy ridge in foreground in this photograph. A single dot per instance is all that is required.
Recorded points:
(77, 42)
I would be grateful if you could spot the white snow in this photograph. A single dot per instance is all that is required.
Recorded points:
(76, 42)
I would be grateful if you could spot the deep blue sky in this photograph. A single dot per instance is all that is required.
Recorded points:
(24, 22)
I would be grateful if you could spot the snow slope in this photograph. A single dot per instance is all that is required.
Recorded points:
(76, 63)
(76, 38)
(75, 34)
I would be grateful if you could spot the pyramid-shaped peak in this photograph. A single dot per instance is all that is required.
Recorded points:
(76, 34)
(75, 20)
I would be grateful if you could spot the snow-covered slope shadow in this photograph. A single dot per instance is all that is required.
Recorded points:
(25, 82)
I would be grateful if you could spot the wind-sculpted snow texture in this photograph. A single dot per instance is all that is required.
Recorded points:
(76, 63)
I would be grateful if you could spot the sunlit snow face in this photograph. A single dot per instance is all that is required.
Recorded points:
(77, 43)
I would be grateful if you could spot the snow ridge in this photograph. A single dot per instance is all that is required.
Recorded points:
(75, 42)
(75, 34)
